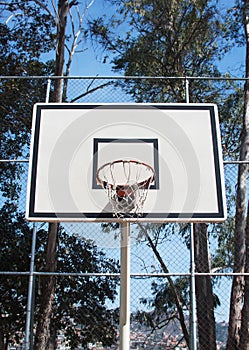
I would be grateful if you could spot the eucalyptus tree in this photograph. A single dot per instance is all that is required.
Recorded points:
(22, 41)
(79, 302)
(32, 28)
(238, 318)
(165, 39)
(14, 255)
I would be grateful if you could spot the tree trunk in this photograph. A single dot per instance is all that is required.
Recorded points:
(52, 345)
(63, 9)
(4, 343)
(244, 337)
(42, 337)
(204, 292)
(236, 298)
(244, 334)
(1, 339)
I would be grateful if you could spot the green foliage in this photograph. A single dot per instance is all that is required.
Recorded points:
(82, 299)
(231, 121)
(162, 308)
(233, 29)
(22, 42)
(30, 28)
(16, 103)
(80, 302)
(173, 36)
(24, 37)
(223, 259)
(187, 38)
(15, 243)
(165, 39)
(79, 305)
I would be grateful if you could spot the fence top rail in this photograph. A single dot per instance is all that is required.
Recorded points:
(27, 161)
(14, 161)
(125, 77)
(134, 275)
(236, 161)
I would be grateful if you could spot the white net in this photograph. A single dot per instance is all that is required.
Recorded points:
(126, 183)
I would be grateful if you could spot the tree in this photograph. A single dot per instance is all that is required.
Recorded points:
(204, 293)
(27, 32)
(43, 332)
(168, 38)
(49, 23)
(15, 247)
(162, 306)
(76, 298)
(237, 323)
(21, 45)
(175, 297)
(23, 42)
(86, 305)
(164, 39)
(78, 306)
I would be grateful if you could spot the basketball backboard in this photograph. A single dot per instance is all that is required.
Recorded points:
(71, 141)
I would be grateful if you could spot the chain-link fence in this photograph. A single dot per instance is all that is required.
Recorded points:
(166, 311)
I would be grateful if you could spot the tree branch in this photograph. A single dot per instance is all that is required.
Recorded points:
(90, 91)
(171, 283)
(42, 5)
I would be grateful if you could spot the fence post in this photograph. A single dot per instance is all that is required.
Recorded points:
(193, 320)
(48, 90)
(124, 323)
(186, 90)
(29, 342)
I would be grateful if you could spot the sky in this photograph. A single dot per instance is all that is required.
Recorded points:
(89, 62)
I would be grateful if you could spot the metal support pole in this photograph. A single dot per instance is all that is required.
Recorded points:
(124, 320)
(28, 341)
(187, 90)
(193, 318)
(193, 332)
(48, 90)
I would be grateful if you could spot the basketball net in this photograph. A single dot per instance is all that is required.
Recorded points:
(126, 183)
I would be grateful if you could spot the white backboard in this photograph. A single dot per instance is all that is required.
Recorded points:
(71, 141)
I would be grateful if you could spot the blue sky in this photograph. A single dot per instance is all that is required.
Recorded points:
(89, 62)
